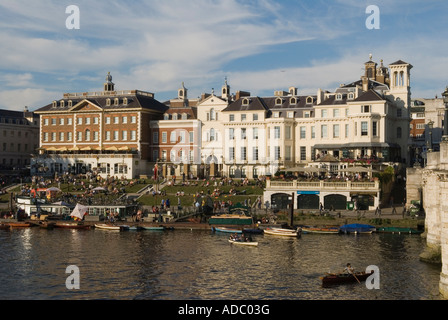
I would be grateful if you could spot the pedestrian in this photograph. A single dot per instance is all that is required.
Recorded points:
(403, 213)
(394, 210)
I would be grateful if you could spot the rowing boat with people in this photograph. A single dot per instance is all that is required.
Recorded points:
(284, 232)
(344, 278)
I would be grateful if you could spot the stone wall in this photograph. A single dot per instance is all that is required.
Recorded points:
(430, 184)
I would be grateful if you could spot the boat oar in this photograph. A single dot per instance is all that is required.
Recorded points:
(356, 278)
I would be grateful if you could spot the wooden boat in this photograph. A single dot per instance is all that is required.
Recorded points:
(357, 228)
(398, 230)
(153, 228)
(343, 278)
(4, 226)
(227, 230)
(283, 232)
(323, 230)
(20, 224)
(242, 240)
(46, 225)
(72, 226)
(104, 226)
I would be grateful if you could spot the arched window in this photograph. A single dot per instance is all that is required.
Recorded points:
(212, 134)
(107, 102)
(278, 101)
(212, 114)
(245, 102)
(293, 100)
(309, 100)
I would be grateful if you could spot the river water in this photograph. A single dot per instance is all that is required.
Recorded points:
(198, 264)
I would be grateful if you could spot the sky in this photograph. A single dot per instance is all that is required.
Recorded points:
(259, 46)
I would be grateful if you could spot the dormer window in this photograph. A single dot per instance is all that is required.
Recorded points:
(245, 102)
(116, 101)
(309, 100)
(293, 100)
(278, 101)
(184, 116)
(70, 103)
(338, 96)
(174, 116)
(108, 102)
(55, 104)
(351, 96)
(166, 116)
(62, 103)
(125, 101)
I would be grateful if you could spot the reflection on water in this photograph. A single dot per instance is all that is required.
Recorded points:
(191, 265)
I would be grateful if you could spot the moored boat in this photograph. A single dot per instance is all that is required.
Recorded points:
(357, 228)
(227, 230)
(71, 226)
(283, 232)
(4, 226)
(153, 228)
(343, 278)
(104, 226)
(322, 230)
(20, 224)
(398, 230)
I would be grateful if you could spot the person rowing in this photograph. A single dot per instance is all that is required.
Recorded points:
(350, 270)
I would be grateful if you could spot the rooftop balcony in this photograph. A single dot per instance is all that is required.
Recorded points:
(323, 185)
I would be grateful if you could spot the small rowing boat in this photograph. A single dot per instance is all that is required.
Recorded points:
(283, 232)
(398, 230)
(71, 226)
(153, 228)
(242, 240)
(322, 230)
(104, 226)
(343, 278)
(20, 224)
(227, 230)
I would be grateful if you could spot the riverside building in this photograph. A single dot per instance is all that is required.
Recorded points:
(107, 132)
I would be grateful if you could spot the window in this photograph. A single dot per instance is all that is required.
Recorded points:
(116, 120)
(347, 128)
(243, 153)
(61, 121)
(191, 137)
(243, 133)
(323, 131)
(243, 117)
(277, 132)
(182, 136)
(365, 109)
(313, 132)
(335, 112)
(306, 114)
(69, 136)
(155, 137)
(163, 155)
(303, 132)
(364, 128)
(107, 102)
(173, 137)
(164, 137)
(255, 153)
(309, 100)
(87, 135)
(255, 133)
(323, 113)
(293, 100)
(399, 113)
(174, 116)
(87, 120)
(245, 102)
(277, 152)
(290, 114)
(53, 121)
(133, 119)
(255, 117)
(79, 136)
(125, 101)
(45, 136)
(133, 135)
(115, 135)
(79, 120)
(124, 119)
(374, 128)
(53, 136)
(288, 132)
(61, 136)
(212, 114)
(276, 114)
(288, 153)
(302, 153)
(124, 135)
(335, 131)
(95, 120)
(231, 153)
(339, 96)
(166, 117)
(232, 117)
(231, 133)
(69, 121)
(278, 101)
(107, 120)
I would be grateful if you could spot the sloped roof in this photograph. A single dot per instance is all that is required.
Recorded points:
(370, 95)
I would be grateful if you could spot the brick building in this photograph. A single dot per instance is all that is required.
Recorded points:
(106, 131)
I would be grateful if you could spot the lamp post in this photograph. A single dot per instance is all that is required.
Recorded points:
(445, 121)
